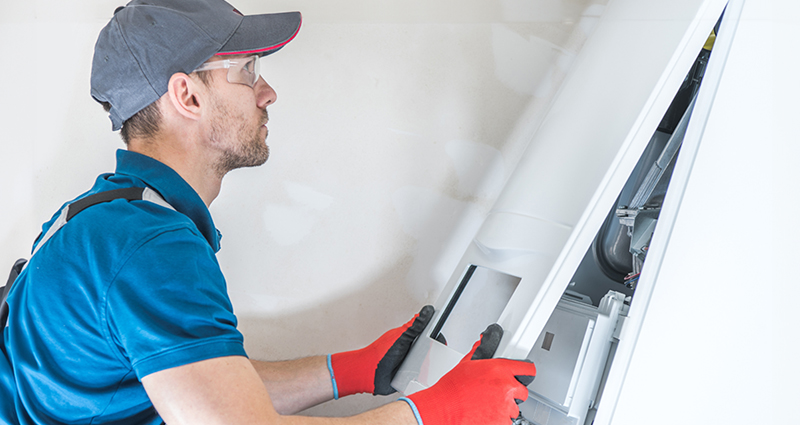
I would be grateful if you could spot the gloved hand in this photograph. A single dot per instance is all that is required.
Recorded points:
(371, 369)
(479, 390)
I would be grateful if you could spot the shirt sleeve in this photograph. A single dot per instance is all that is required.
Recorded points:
(168, 306)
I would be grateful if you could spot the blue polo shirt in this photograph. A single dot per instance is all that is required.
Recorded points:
(123, 290)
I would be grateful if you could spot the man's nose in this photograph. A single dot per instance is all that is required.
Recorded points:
(265, 94)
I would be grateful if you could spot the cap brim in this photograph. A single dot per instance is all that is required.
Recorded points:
(263, 34)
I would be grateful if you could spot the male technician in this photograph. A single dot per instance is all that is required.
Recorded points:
(122, 315)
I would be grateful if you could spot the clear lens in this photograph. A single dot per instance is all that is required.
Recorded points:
(245, 71)
(242, 71)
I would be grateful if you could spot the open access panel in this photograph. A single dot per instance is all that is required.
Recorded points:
(561, 258)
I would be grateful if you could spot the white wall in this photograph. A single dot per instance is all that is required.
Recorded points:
(397, 124)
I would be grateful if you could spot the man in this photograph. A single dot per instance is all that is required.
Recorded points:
(122, 315)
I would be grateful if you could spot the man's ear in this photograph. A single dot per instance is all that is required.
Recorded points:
(184, 95)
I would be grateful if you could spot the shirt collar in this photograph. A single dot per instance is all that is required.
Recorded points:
(172, 187)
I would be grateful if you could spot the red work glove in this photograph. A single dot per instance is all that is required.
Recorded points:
(371, 369)
(479, 390)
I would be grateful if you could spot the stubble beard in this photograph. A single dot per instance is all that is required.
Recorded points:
(245, 147)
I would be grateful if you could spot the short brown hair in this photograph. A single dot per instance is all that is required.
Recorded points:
(145, 123)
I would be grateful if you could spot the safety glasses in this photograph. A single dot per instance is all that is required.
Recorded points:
(240, 71)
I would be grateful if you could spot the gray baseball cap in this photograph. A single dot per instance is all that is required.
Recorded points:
(148, 41)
